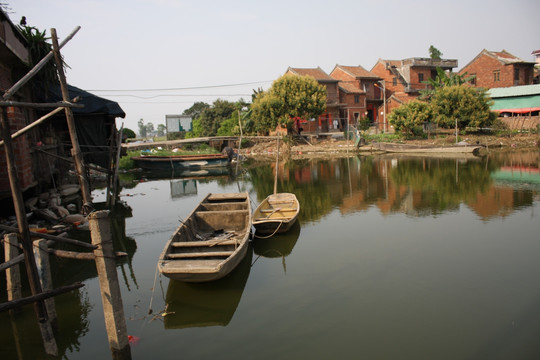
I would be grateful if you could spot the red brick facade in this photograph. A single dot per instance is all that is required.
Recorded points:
(499, 69)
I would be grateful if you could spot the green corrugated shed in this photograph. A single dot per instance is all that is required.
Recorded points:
(516, 99)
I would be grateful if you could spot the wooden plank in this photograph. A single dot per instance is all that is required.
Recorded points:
(200, 254)
(40, 297)
(204, 243)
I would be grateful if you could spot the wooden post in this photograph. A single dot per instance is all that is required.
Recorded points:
(75, 150)
(33, 278)
(42, 261)
(113, 310)
(13, 275)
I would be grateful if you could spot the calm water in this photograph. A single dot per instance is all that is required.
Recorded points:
(393, 258)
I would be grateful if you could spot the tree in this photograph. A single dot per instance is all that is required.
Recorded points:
(443, 79)
(467, 105)
(289, 96)
(196, 109)
(149, 128)
(128, 134)
(434, 53)
(409, 118)
(212, 117)
(161, 129)
(142, 128)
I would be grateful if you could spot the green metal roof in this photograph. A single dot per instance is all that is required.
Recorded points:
(518, 99)
(514, 91)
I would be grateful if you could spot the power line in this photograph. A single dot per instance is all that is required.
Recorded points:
(165, 95)
(186, 88)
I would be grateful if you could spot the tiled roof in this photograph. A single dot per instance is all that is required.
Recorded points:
(358, 71)
(317, 73)
(504, 57)
(349, 87)
(523, 90)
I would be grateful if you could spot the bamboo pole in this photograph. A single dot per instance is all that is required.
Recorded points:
(44, 267)
(277, 164)
(36, 123)
(13, 274)
(111, 297)
(52, 237)
(76, 150)
(8, 94)
(40, 297)
(18, 203)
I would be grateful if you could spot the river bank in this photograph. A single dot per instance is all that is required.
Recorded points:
(298, 147)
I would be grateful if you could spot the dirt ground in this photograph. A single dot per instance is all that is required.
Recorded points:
(339, 146)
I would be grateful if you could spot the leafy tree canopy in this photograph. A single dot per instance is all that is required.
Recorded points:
(467, 105)
(435, 53)
(443, 79)
(212, 117)
(289, 96)
(409, 117)
(196, 109)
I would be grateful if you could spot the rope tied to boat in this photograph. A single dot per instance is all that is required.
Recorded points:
(272, 234)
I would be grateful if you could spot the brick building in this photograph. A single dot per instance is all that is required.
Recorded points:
(499, 69)
(325, 121)
(14, 61)
(360, 93)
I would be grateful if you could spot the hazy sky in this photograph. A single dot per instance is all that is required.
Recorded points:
(187, 51)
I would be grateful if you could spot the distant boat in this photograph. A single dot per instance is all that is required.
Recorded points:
(211, 242)
(180, 162)
(278, 212)
(426, 149)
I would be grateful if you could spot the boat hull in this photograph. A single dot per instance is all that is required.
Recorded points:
(211, 242)
(180, 162)
(276, 214)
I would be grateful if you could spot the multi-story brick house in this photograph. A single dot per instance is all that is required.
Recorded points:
(499, 69)
(408, 75)
(359, 93)
(405, 78)
(14, 61)
(325, 121)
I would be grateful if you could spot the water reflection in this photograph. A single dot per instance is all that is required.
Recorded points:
(417, 186)
(278, 246)
(206, 304)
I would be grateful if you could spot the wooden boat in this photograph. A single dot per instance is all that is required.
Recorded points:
(426, 149)
(276, 214)
(211, 242)
(180, 162)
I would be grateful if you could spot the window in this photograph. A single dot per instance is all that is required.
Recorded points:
(497, 75)
(420, 77)
(516, 74)
(473, 80)
(394, 81)
(356, 99)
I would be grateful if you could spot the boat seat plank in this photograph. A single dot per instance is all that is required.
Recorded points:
(272, 218)
(204, 243)
(200, 254)
(277, 210)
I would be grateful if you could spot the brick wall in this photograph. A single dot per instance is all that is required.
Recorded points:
(21, 147)
(484, 67)
(521, 122)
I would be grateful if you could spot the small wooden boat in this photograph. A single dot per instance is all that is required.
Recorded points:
(427, 149)
(276, 214)
(211, 242)
(180, 162)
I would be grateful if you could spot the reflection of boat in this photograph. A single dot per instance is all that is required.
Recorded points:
(155, 162)
(281, 245)
(276, 214)
(411, 148)
(211, 242)
(206, 304)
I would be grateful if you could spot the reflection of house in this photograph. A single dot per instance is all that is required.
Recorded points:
(495, 69)
(332, 98)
